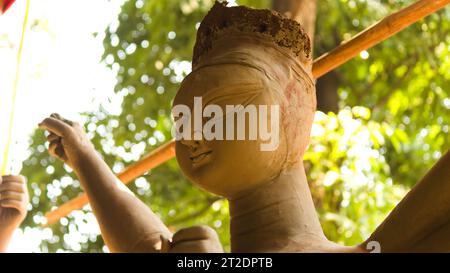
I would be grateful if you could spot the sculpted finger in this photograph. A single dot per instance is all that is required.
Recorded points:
(12, 186)
(14, 204)
(55, 126)
(52, 147)
(56, 149)
(14, 178)
(52, 137)
(11, 195)
(58, 116)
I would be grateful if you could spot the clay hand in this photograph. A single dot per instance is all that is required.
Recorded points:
(198, 239)
(68, 141)
(13, 201)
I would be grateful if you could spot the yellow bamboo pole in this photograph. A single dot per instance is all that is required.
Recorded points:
(14, 92)
(324, 64)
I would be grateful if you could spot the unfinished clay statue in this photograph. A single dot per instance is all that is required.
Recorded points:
(248, 57)
(256, 57)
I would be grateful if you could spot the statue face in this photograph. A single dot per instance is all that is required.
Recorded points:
(230, 167)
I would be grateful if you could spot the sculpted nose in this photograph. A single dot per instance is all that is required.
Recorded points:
(192, 144)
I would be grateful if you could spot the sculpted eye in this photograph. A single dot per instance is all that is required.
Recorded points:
(233, 94)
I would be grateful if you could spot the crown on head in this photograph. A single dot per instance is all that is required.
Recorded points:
(264, 23)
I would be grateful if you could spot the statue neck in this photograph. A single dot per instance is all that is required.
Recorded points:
(278, 216)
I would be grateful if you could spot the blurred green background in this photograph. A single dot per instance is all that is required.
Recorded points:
(383, 120)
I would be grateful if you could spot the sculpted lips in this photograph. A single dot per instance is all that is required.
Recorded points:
(199, 157)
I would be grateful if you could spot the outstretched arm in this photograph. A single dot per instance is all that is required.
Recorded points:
(421, 221)
(13, 206)
(127, 224)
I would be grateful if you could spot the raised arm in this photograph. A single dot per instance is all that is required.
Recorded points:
(126, 223)
(13, 206)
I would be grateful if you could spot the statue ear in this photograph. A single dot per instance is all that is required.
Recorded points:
(301, 74)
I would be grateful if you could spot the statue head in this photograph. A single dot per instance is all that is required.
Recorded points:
(251, 60)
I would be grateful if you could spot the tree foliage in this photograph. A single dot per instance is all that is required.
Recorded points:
(392, 126)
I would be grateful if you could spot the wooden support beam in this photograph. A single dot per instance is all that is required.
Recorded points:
(375, 34)
(324, 64)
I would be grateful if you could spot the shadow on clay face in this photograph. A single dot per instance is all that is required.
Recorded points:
(228, 167)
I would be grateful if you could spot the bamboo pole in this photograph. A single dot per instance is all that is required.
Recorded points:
(375, 34)
(324, 64)
(14, 90)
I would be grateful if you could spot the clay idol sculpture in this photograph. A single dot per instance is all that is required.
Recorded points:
(261, 62)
